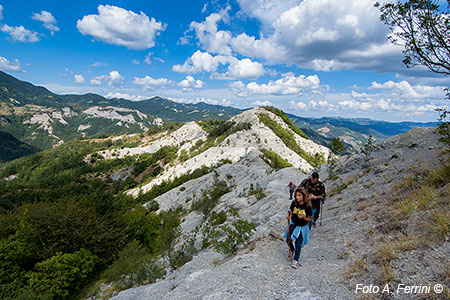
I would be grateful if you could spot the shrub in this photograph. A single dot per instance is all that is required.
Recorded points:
(209, 199)
(286, 119)
(235, 236)
(288, 139)
(133, 266)
(62, 273)
(274, 160)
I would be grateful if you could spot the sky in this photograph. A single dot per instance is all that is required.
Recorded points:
(311, 58)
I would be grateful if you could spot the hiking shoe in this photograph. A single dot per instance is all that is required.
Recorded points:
(295, 264)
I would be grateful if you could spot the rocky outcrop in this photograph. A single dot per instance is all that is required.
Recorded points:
(261, 271)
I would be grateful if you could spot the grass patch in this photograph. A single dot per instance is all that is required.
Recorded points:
(288, 139)
(274, 160)
(439, 226)
(286, 119)
(388, 251)
(387, 275)
(357, 266)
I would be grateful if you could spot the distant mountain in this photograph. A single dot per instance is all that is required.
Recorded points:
(353, 132)
(11, 148)
(42, 119)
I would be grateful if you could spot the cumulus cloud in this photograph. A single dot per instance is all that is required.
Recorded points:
(323, 35)
(118, 26)
(404, 89)
(79, 79)
(262, 103)
(209, 37)
(114, 79)
(298, 105)
(125, 96)
(223, 102)
(205, 62)
(149, 83)
(190, 83)
(1, 12)
(48, 20)
(289, 85)
(6, 65)
(21, 34)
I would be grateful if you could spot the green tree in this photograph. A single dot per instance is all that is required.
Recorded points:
(336, 146)
(423, 28)
(62, 273)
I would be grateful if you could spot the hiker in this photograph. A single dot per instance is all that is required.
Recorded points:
(291, 187)
(299, 216)
(316, 191)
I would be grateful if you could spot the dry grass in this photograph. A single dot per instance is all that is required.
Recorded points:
(388, 250)
(357, 266)
(362, 206)
(386, 273)
(439, 226)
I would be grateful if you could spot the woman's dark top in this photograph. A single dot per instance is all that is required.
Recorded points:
(300, 209)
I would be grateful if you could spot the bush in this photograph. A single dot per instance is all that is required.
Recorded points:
(274, 160)
(63, 273)
(288, 139)
(286, 119)
(235, 236)
(209, 199)
(133, 266)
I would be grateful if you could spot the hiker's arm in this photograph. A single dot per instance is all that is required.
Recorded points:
(289, 215)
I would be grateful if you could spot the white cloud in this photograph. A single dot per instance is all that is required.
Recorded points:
(298, 105)
(289, 85)
(200, 62)
(205, 62)
(6, 65)
(190, 83)
(209, 37)
(114, 79)
(149, 83)
(147, 59)
(223, 102)
(1, 12)
(262, 103)
(79, 79)
(21, 34)
(117, 26)
(125, 96)
(324, 35)
(244, 68)
(404, 89)
(48, 20)
(135, 62)
(354, 105)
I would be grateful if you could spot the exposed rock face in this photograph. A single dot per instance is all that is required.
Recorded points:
(261, 270)
(234, 147)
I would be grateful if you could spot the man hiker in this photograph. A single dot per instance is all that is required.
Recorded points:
(316, 191)
(291, 187)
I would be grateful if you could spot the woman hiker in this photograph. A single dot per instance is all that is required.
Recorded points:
(299, 216)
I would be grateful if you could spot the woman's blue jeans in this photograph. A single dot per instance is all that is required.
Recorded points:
(298, 242)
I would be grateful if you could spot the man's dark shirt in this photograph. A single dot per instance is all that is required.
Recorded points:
(317, 189)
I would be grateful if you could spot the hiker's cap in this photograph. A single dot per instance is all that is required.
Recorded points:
(315, 175)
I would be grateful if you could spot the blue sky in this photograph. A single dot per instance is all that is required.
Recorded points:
(312, 58)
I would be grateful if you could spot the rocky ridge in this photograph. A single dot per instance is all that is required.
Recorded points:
(233, 148)
(260, 270)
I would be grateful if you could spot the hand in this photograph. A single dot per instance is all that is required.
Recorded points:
(288, 217)
(311, 197)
